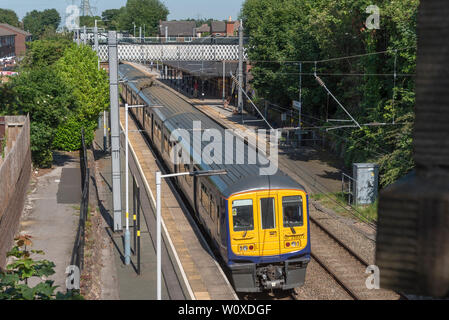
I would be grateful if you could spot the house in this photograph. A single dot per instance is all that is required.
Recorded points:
(22, 37)
(232, 28)
(218, 28)
(7, 43)
(227, 28)
(177, 31)
(202, 31)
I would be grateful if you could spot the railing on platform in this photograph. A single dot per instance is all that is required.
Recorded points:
(78, 249)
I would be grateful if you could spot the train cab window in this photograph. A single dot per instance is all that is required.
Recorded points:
(267, 213)
(242, 215)
(293, 216)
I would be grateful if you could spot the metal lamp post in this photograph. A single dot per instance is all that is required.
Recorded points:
(127, 233)
(159, 177)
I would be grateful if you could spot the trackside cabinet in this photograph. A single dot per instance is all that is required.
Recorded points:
(366, 176)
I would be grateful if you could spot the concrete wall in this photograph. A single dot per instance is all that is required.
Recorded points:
(15, 171)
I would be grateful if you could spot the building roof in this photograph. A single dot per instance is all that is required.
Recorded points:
(14, 29)
(218, 26)
(4, 33)
(206, 69)
(178, 28)
(204, 28)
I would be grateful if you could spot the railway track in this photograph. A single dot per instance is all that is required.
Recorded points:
(344, 265)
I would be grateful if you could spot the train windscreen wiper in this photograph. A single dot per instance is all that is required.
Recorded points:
(291, 226)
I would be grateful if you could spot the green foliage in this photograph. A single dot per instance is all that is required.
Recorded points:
(141, 12)
(14, 280)
(37, 22)
(41, 137)
(45, 52)
(68, 134)
(90, 87)
(111, 18)
(89, 21)
(62, 89)
(311, 30)
(43, 94)
(9, 17)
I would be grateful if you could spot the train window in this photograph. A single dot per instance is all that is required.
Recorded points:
(213, 213)
(267, 213)
(205, 199)
(242, 215)
(292, 207)
(165, 143)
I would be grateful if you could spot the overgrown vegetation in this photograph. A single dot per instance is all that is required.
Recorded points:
(14, 280)
(61, 88)
(338, 202)
(313, 30)
(39, 22)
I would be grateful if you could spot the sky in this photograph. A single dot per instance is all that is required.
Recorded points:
(179, 9)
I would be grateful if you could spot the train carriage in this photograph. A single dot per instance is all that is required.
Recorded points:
(259, 224)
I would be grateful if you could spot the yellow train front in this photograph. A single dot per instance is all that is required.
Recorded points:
(268, 227)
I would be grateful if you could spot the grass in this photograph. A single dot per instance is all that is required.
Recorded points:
(338, 202)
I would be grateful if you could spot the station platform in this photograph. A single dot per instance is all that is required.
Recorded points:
(195, 264)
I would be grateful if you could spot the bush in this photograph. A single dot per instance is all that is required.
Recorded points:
(41, 137)
(68, 134)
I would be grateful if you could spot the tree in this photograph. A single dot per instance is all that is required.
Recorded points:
(43, 94)
(89, 21)
(314, 30)
(111, 18)
(46, 52)
(62, 89)
(90, 87)
(143, 12)
(36, 22)
(9, 17)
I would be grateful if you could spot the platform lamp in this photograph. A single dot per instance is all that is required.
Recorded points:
(127, 233)
(159, 178)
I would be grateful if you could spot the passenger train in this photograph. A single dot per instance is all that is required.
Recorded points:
(258, 224)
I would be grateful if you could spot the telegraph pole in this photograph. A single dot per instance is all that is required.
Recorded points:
(115, 130)
(85, 35)
(240, 98)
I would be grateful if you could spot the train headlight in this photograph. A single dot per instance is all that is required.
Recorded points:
(293, 244)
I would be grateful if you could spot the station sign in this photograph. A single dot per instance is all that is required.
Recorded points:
(297, 105)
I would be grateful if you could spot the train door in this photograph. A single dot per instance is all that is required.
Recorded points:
(269, 227)
(292, 219)
(244, 221)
